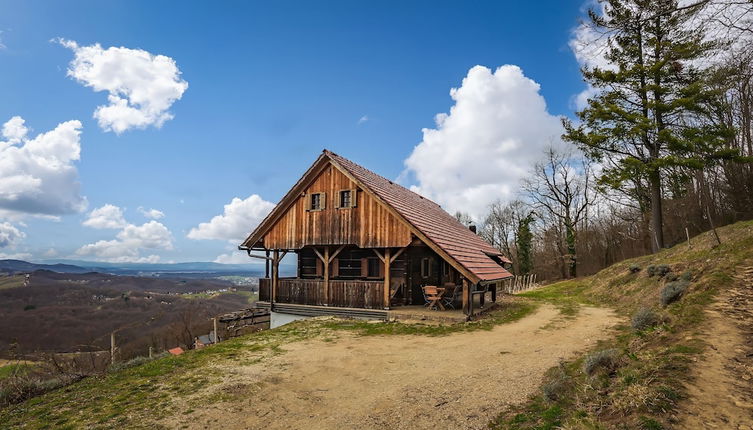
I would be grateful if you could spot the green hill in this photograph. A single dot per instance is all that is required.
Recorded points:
(637, 379)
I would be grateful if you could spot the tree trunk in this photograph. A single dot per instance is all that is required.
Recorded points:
(570, 239)
(657, 239)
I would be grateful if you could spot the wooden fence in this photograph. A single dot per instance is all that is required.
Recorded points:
(342, 293)
(519, 283)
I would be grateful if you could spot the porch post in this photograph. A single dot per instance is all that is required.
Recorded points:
(326, 276)
(466, 296)
(266, 266)
(275, 274)
(387, 278)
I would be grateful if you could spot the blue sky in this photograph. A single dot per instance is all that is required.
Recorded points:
(270, 84)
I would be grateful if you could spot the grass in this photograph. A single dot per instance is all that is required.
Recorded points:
(643, 385)
(139, 396)
(14, 281)
(13, 369)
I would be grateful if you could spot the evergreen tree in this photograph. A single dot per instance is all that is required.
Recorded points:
(650, 113)
(524, 243)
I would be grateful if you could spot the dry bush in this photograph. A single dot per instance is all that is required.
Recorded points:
(673, 291)
(645, 318)
(607, 361)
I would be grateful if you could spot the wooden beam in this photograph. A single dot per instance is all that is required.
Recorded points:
(397, 254)
(334, 255)
(275, 276)
(319, 254)
(386, 259)
(381, 257)
(466, 296)
(326, 261)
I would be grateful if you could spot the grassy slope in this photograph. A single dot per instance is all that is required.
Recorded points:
(138, 396)
(647, 384)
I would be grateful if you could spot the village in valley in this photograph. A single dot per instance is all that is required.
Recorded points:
(413, 215)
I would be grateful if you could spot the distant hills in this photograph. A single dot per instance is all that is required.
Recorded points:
(191, 269)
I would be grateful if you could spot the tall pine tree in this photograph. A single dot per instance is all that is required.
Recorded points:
(648, 113)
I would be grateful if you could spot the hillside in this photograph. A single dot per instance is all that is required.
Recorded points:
(66, 312)
(561, 356)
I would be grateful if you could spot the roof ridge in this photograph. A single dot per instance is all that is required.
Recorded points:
(331, 154)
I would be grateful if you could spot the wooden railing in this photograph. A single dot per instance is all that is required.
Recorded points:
(520, 283)
(347, 294)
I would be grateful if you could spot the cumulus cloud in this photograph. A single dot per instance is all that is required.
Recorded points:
(151, 213)
(478, 153)
(108, 216)
(141, 86)
(236, 222)
(38, 175)
(129, 242)
(9, 235)
(234, 258)
(363, 119)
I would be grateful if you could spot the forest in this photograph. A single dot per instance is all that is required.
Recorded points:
(662, 149)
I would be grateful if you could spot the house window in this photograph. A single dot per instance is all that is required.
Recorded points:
(447, 270)
(374, 269)
(345, 201)
(316, 202)
(425, 267)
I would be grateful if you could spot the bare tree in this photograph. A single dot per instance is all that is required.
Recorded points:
(560, 187)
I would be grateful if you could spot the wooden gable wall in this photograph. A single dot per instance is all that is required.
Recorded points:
(368, 225)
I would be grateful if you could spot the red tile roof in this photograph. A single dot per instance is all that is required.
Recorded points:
(445, 231)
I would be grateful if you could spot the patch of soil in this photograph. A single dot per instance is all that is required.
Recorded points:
(721, 394)
(459, 381)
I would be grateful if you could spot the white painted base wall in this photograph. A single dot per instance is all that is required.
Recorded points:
(277, 319)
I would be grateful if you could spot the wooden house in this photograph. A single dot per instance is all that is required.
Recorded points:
(365, 244)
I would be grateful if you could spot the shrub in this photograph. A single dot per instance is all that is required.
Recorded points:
(686, 276)
(662, 270)
(22, 387)
(672, 277)
(556, 388)
(673, 291)
(606, 360)
(651, 270)
(634, 268)
(29, 307)
(136, 361)
(645, 318)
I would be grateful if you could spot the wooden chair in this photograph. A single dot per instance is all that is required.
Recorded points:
(433, 297)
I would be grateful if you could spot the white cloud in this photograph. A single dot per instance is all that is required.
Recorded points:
(10, 236)
(478, 153)
(237, 221)
(151, 213)
(363, 119)
(129, 243)
(15, 256)
(108, 216)
(142, 87)
(234, 258)
(38, 175)
(50, 253)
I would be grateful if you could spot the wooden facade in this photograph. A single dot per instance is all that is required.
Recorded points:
(367, 225)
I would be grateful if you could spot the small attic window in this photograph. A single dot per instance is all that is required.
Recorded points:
(346, 199)
(316, 201)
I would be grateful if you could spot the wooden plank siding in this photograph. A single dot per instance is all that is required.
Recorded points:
(348, 294)
(368, 225)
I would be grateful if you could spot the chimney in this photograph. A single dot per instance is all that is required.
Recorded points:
(472, 228)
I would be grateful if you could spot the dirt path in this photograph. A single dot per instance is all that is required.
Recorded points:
(721, 395)
(460, 381)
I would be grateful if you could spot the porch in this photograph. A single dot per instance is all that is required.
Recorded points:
(342, 293)
(361, 299)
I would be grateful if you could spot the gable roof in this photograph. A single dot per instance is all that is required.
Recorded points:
(466, 251)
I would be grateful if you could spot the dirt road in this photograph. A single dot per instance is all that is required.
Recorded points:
(398, 382)
(721, 394)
